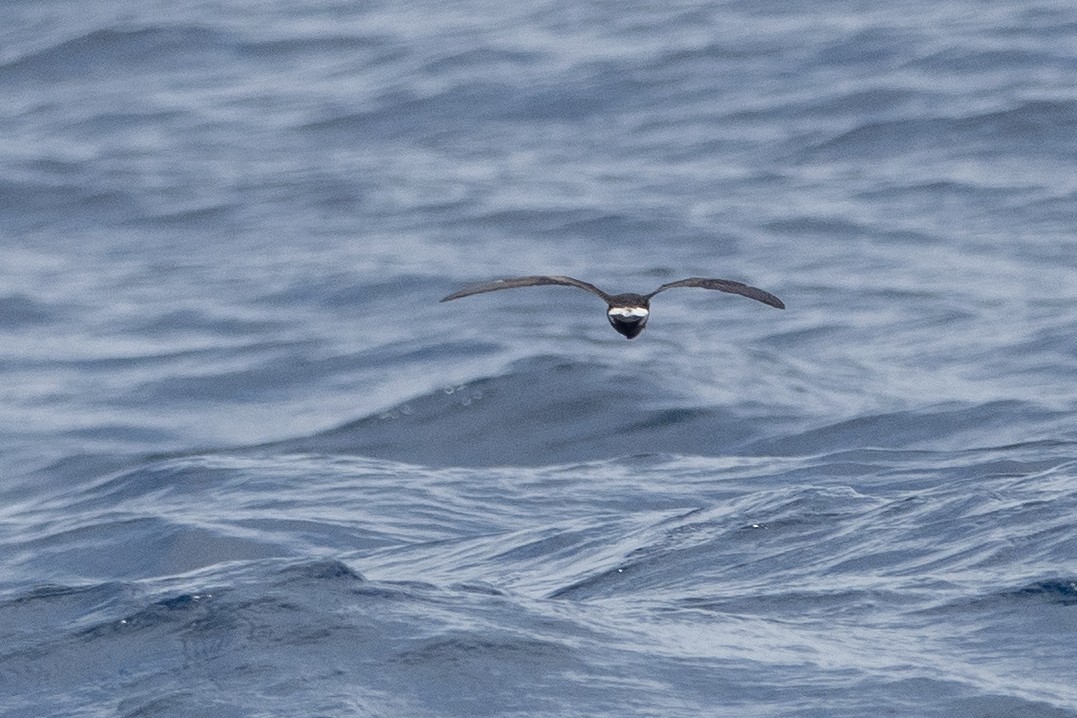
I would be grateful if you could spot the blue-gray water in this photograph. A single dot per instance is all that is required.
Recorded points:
(249, 465)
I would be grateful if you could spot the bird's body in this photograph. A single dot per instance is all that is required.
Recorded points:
(627, 313)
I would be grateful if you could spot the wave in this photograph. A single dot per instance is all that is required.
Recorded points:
(20, 310)
(1031, 128)
(543, 411)
(198, 566)
(551, 411)
(105, 52)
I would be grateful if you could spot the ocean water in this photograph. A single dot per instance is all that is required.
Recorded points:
(250, 465)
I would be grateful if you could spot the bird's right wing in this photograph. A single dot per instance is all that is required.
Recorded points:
(533, 281)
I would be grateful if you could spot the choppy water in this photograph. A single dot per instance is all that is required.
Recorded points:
(250, 466)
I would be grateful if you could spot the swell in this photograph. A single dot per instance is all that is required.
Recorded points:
(105, 52)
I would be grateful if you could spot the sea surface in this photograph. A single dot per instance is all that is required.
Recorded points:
(250, 465)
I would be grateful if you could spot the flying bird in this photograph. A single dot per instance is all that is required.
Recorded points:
(627, 312)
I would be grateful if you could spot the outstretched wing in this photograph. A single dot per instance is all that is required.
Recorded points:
(725, 285)
(525, 282)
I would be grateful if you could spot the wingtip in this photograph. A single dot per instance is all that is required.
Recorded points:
(769, 299)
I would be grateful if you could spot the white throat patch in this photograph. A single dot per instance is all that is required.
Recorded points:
(628, 312)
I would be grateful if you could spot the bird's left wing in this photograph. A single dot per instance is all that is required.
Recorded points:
(725, 285)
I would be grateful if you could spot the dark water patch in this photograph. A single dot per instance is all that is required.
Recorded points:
(1009, 706)
(598, 91)
(128, 547)
(1057, 340)
(940, 192)
(127, 362)
(880, 102)
(115, 53)
(19, 310)
(957, 698)
(270, 375)
(543, 411)
(58, 167)
(323, 570)
(458, 111)
(310, 533)
(870, 49)
(115, 123)
(603, 584)
(78, 470)
(481, 658)
(178, 702)
(151, 480)
(1046, 20)
(818, 334)
(399, 115)
(1059, 591)
(548, 221)
(152, 627)
(485, 60)
(961, 62)
(420, 352)
(951, 427)
(1060, 206)
(616, 228)
(715, 55)
(32, 203)
(343, 291)
(765, 534)
(211, 214)
(131, 434)
(198, 321)
(466, 648)
(1034, 128)
(837, 603)
(819, 226)
(190, 611)
(484, 589)
(366, 50)
(29, 614)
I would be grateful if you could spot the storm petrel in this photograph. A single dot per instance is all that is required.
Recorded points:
(627, 312)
